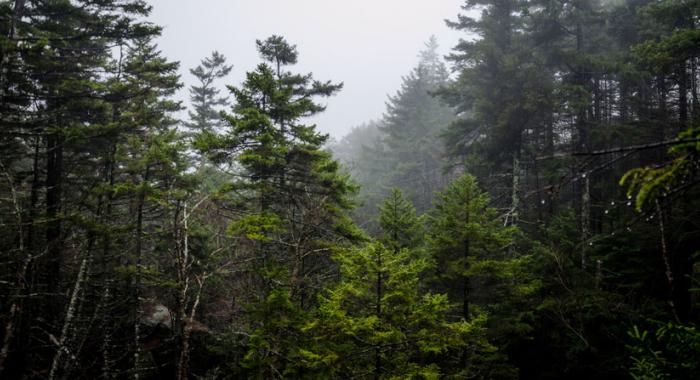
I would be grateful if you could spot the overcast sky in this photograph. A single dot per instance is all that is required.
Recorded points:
(367, 44)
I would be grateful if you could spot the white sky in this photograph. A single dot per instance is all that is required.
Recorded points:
(367, 44)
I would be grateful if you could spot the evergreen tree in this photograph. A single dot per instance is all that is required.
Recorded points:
(476, 263)
(407, 153)
(55, 78)
(155, 167)
(378, 321)
(412, 123)
(291, 198)
(204, 96)
(366, 161)
(495, 114)
(463, 231)
(399, 223)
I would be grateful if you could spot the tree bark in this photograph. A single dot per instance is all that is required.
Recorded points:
(63, 348)
(54, 183)
(107, 269)
(15, 307)
(585, 219)
(137, 275)
(682, 96)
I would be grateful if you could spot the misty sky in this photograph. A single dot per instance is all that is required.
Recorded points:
(367, 44)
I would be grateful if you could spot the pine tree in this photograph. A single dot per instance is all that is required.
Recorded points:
(476, 263)
(462, 231)
(399, 223)
(155, 165)
(291, 200)
(205, 115)
(56, 92)
(496, 115)
(377, 320)
(408, 151)
(412, 123)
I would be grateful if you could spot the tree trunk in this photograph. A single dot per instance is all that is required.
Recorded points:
(585, 218)
(666, 259)
(71, 314)
(515, 190)
(15, 307)
(694, 89)
(107, 268)
(183, 363)
(138, 252)
(183, 277)
(683, 96)
(17, 12)
(54, 182)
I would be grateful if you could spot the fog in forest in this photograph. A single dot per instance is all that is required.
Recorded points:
(317, 189)
(367, 45)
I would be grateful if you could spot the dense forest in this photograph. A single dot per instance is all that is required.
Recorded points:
(527, 206)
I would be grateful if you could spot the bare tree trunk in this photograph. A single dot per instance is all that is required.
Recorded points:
(33, 197)
(107, 260)
(185, 322)
(694, 89)
(683, 95)
(585, 218)
(665, 256)
(54, 179)
(515, 191)
(185, 353)
(75, 340)
(14, 308)
(182, 249)
(106, 299)
(71, 314)
(137, 275)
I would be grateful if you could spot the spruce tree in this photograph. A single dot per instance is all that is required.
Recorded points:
(407, 153)
(496, 115)
(290, 196)
(57, 99)
(400, 226)
(205, 115)
(155, 165)
(378, 321)
(477, 264)
(412, 125)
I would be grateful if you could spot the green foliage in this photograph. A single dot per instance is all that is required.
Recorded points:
(377, 315)
(670, 351)
(134, 260)
(259, 227)
(479, 266)
(290, 199)
(403, 149)
(463, 231)
(653, 183)
(669, 51)
(399, 223)
(204, 96)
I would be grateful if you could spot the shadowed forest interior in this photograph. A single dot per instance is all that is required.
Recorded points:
(527, 207)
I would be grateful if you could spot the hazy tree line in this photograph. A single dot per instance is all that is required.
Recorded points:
(525, 209)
